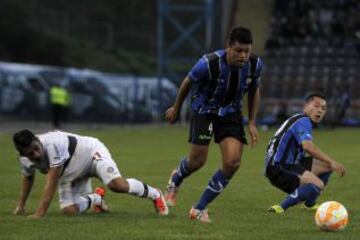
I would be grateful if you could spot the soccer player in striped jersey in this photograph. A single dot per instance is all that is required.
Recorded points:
(294, 164)
(219, 80)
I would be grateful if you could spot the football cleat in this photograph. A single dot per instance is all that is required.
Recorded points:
(160, 205)
(311, 208)
(277, 209)
(171, 191)
(103, 207)
(200, 215)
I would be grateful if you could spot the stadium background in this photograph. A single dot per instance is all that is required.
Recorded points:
(122, 62)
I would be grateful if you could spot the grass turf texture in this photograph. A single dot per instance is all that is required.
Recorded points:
(149, 154)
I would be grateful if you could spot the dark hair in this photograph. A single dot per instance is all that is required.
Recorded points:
(240, 35)
(309, 97)
(23, 139)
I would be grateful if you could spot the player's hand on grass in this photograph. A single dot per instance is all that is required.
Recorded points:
(254, 136)
(338, 168)
(171, 115)
(34, 216)
(19, 210)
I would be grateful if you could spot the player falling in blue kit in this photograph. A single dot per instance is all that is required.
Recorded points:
(287, 166)
(220, 80)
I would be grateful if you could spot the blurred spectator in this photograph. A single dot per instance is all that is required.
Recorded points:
(282, 113)
(60, 103)
(314, 45)
(299, 20)
(342, 103)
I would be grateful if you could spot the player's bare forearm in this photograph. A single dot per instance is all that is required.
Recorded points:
(315, 152)
(310, 148)
(172, 113)
(183, 92)
(26, 186)
(52, 179)
(253, 104)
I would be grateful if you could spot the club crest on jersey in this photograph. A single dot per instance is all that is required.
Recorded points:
(110, 169)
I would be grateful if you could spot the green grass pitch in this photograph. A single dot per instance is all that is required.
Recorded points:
(149, 154)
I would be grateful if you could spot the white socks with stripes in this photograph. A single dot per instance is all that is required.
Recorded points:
(85, 202)
(141, 189)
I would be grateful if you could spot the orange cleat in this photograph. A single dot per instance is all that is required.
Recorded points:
(200, 215)
(171, 191)
(103, 207)
(160, 205)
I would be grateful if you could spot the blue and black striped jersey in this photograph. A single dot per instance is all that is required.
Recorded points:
(219, 86)
(286, 145)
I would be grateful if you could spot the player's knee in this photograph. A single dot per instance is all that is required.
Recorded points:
(118, 185)
(232, 165)
(71, 210)
(320, 185)
(309, 177)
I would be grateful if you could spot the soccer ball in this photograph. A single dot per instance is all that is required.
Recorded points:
(331, 216)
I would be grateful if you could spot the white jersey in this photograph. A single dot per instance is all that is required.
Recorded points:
(90, 158)
(56, 153)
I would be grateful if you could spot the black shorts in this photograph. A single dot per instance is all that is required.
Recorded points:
(285, 177)
(202, 128)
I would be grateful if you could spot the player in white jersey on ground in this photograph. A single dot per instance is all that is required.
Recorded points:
(69, 161)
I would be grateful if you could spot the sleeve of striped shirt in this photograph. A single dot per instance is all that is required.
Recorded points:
(258, 73)
(58, 154)
(200, 71)
(26, 167)
(302, 130)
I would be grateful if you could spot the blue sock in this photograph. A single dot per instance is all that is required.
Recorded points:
(300, 194)
(216, 185)
(312, 200)
(181, 172)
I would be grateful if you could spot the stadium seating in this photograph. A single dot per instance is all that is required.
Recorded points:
(312, 54)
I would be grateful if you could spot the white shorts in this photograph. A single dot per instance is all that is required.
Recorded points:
(68, 192)
(104, 166)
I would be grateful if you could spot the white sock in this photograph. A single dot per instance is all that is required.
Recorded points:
(83, 203)
(141, 189)
(95, 199)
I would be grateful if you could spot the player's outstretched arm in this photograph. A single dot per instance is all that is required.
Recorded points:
(253, 105)
(26, 186)
(172, 114)
(314, 151)
(52, 179)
